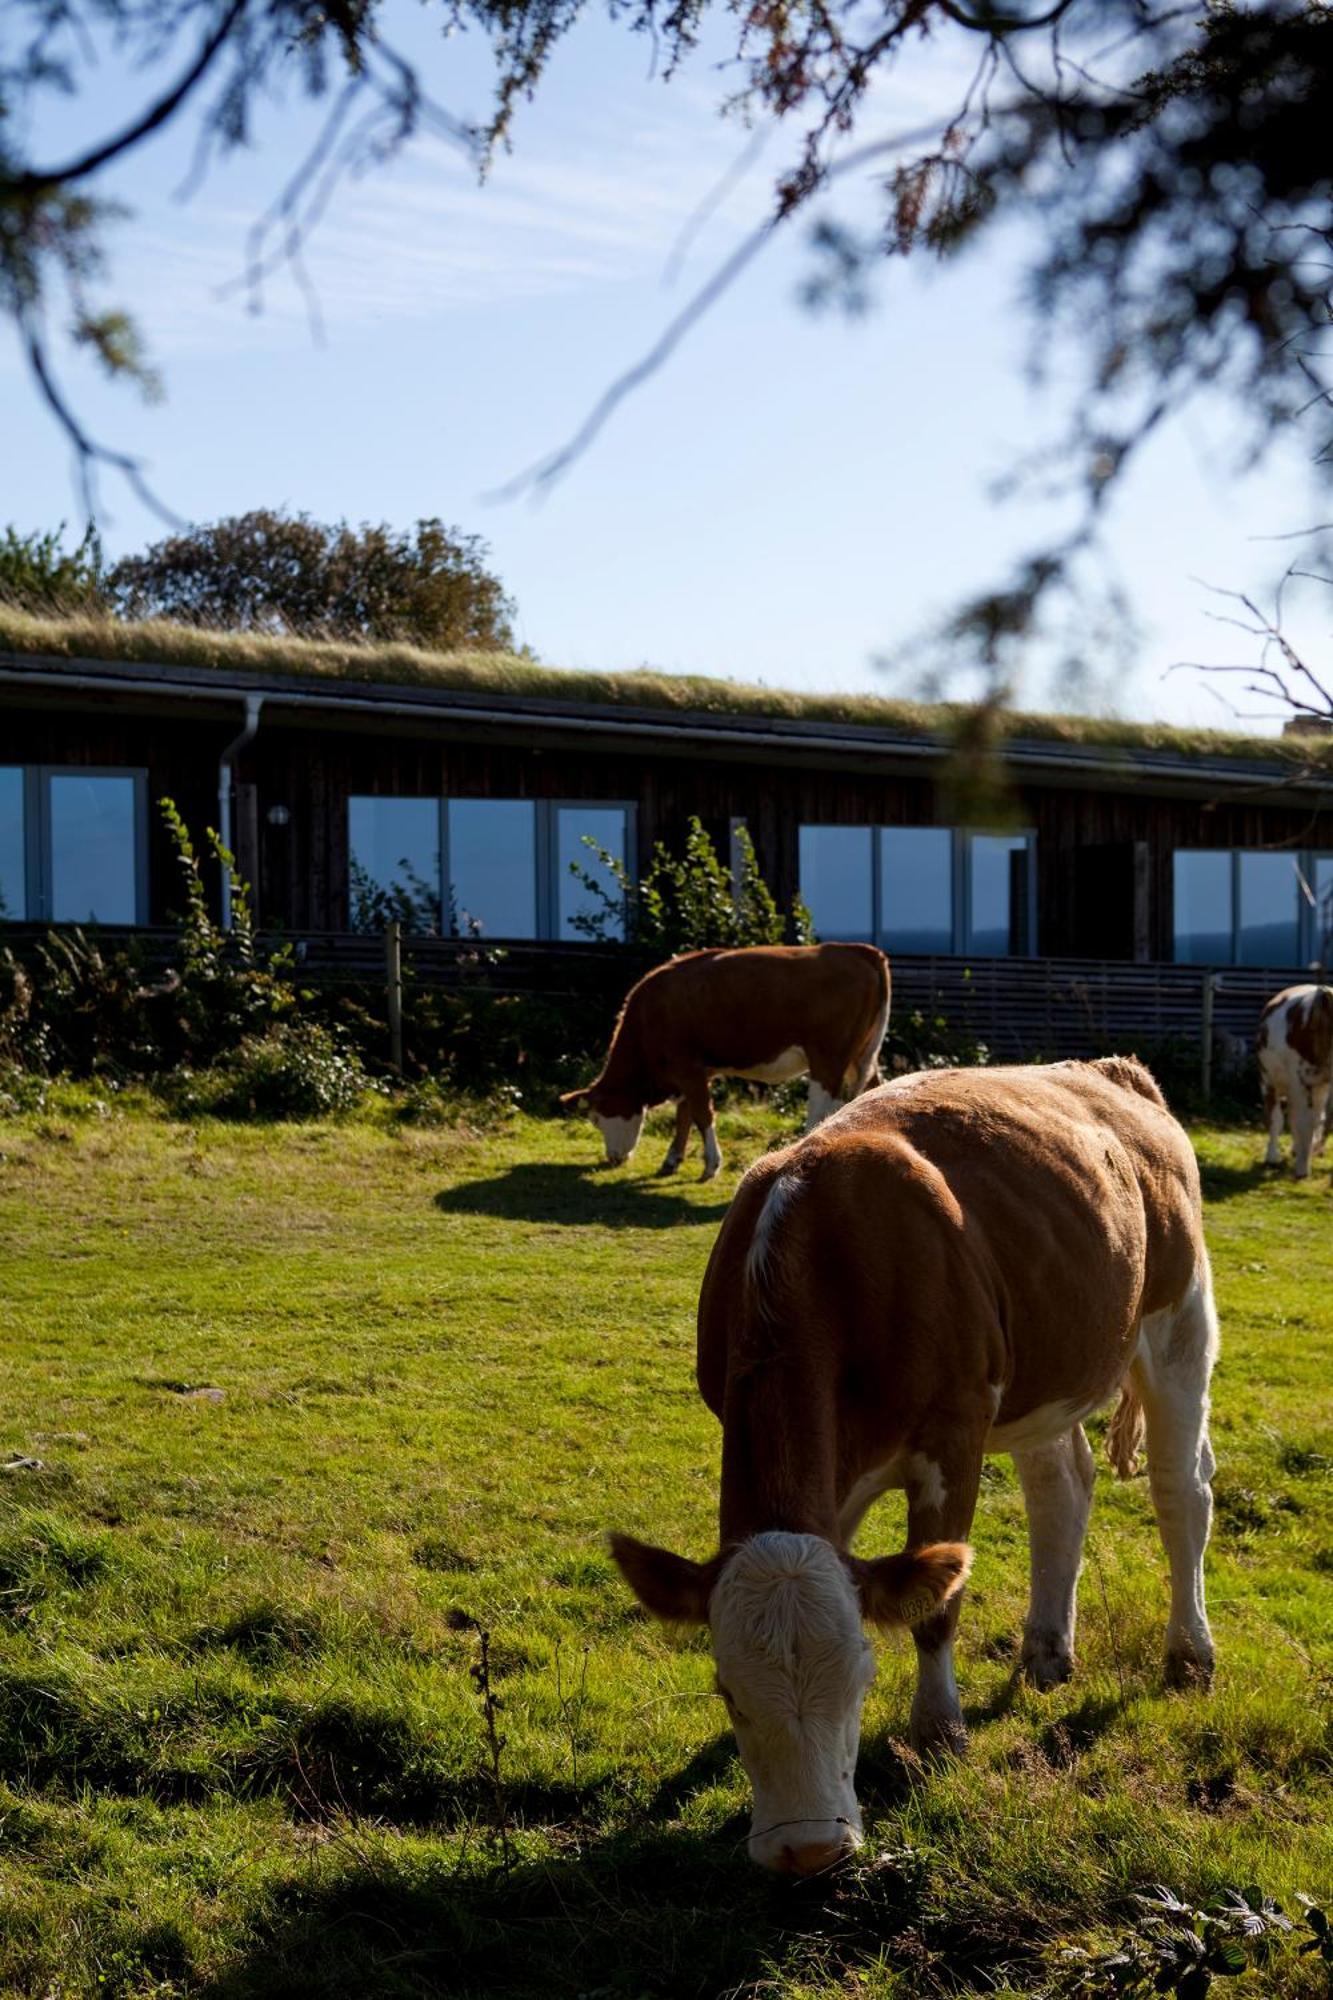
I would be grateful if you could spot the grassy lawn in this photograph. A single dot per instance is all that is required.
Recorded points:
(310, 1403)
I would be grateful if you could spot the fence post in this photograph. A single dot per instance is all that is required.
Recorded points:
(1206, 1053)
(393, 968)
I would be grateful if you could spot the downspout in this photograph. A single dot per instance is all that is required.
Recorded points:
(253, 704)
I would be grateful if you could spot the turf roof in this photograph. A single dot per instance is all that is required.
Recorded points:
(96, 638)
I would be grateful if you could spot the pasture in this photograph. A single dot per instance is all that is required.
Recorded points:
(310, 1404)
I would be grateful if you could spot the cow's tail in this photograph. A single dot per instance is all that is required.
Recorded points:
(1126, 1432)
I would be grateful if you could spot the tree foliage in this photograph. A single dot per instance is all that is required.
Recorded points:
(686, 902)
(1173, 159)
(39, 573)
(282, 573)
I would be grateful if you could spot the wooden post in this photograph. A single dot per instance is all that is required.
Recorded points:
(1206, 1053)
(393, 968)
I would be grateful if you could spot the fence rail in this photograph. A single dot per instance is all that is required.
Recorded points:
(1020, 1007)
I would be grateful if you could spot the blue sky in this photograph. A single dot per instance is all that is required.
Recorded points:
(790, 499)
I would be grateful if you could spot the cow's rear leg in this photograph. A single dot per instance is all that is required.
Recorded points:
(1171, 1373)
(680, 1138)
(1319, 1097)
(1273, 1113)
(942, 1486)
(698, 1107)
(820, 1102)
(1057, 1491)
(1304, 1124)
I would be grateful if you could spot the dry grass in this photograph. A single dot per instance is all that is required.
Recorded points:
(90, 637)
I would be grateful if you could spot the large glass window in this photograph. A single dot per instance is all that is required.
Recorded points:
(13, 846)
(916, 889)
(1268, 910)
(837, 881)
(394, 863)
(1321, 882)
(493, 867)
(1203, 920)
(997, 874)
(92, 849)
(608, 826)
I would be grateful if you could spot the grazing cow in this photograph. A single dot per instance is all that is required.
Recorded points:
(1295, 1046)
(963, 1262)
(768, 1012)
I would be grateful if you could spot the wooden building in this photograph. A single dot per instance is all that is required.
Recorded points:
(463, 796)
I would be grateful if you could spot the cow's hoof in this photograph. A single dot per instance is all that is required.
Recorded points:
(1046, 1664)
(939, 1738)
(669, 1165)
(711, 1173)
(1185, 1668)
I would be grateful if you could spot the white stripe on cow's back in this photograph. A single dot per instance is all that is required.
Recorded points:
(757, 1259)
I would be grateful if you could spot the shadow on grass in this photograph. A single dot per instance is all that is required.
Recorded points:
(534, 1192)
(1223, 1183)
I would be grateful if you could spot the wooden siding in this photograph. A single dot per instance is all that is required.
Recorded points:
(312, 767)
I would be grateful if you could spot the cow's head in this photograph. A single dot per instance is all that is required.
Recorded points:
(793, 1665)
(616, 1115)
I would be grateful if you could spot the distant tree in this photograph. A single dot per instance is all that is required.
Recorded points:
(38, 573)
(283, 573)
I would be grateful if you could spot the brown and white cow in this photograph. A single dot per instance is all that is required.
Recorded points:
(1295, 1047)
(962, 1262)
(767, 1012)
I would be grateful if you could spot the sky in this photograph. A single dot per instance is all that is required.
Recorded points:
(791, 499)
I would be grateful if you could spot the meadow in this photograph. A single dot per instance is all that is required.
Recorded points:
(294, 1414)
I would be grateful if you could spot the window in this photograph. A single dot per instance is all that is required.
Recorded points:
(916, 889)
(493, 867)
(998, 901)
(72, 845)
(13, 845)
(504, 863)
(1321, 917)
(837, 880)
(1236, 907)
(394, 863)
(609, 827)
(920, 889)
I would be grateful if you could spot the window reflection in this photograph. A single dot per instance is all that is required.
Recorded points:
(1268, 919)
(493, 867)
(92, 850)
(916, 889)
(836, 875)
(997, 899)
(13, 850)
(1202, 878)
(394, 863)
(1322, 884)
(578, 908)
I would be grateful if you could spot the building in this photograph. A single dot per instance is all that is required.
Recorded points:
(461, 790)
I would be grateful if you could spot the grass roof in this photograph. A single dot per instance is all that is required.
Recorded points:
(96, 637)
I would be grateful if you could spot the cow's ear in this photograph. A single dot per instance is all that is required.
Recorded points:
(671, 1587)
(905, 1590)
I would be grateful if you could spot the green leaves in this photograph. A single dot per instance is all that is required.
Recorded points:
(689, 902)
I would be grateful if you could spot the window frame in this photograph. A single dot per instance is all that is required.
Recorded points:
(1307, 931)
(546, 854)
(38, 883)
(960, 878)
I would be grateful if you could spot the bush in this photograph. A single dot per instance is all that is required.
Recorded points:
(299, 1069)
(687, 902)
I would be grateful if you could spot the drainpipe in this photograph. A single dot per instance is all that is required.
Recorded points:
(253, 704)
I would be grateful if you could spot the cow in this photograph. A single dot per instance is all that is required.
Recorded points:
(961, 1262)
(1295, 1049)
(767, 1012)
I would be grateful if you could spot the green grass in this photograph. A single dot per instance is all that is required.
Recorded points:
(90, 636)
(241, 1750)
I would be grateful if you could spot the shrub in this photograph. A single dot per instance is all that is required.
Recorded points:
(298, 1069)
(687, 902)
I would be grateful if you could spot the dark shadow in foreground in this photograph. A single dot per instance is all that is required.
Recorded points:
(533, 1192)
(1222, 1183)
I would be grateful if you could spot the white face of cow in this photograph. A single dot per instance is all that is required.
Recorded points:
(793, 1666)
(619, 1135)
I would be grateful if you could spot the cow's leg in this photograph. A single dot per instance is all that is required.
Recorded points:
(680, 1138)
(1301, 1111)
(1273, 1113)
(1171, 1372)
(699, 1100)
(1057, 1490)
(942, 1485)
(820, 1103)
(1319, 1096)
